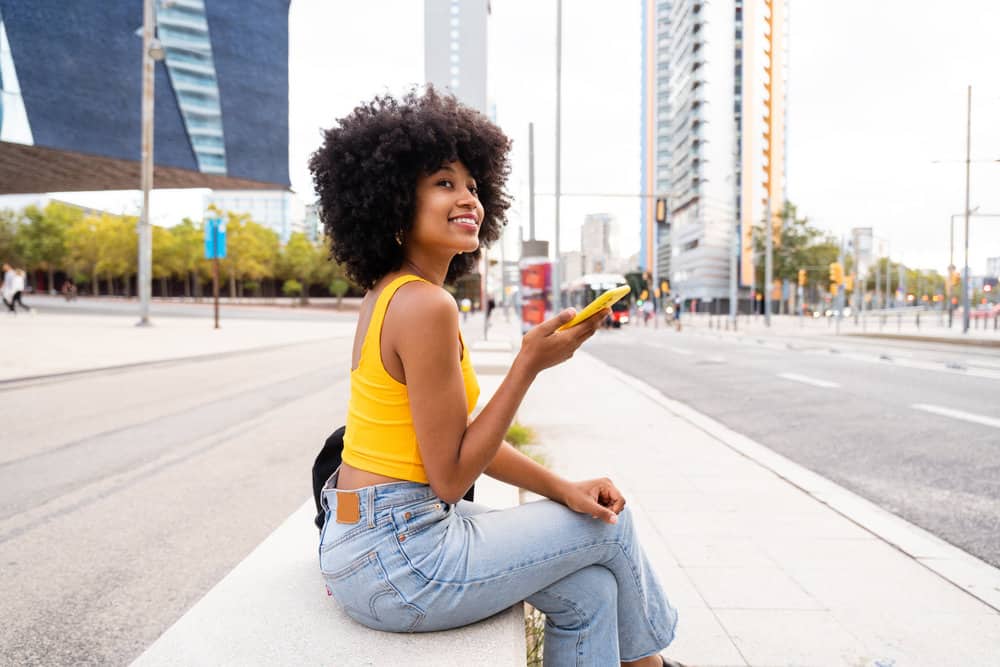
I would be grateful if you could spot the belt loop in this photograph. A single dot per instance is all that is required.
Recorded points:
(371, 508)
(331, 483)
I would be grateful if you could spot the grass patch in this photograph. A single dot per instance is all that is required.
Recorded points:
(520, 435)
(534, 634)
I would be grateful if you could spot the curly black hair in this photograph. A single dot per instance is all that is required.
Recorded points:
(367, 167)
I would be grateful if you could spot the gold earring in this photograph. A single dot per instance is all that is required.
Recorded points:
(399, 237)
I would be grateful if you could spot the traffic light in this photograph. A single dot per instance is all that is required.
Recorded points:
(661, 210)
(802, 277)
(850, 283)
(665, 286)
(956, 278)
(644, 295)
(837, 273)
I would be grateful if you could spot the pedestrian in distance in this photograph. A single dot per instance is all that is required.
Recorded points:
(69, 290)
(18, 288)
(7, 288)
(410, 190)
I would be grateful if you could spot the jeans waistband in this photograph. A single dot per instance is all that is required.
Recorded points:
(378, 497)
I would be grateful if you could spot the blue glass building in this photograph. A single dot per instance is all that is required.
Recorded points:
(71, 77)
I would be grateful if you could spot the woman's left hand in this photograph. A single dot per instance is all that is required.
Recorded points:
(597, 497)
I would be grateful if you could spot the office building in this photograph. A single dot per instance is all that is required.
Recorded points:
(71, 82)
(598, 243)
(279, 210)
(713, 136)
(455, 48)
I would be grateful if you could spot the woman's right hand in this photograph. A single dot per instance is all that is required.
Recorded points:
(544, 347)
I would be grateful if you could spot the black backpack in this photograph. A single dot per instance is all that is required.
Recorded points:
(327, 462)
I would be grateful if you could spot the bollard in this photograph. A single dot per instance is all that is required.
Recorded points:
(918, 321)
(899, 321)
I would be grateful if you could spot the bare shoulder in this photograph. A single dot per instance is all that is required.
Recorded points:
(419, 306)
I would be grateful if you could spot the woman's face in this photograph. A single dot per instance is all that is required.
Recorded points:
(448, 212)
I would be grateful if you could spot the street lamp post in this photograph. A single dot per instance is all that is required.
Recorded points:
(151, 52)
(556, 269)
(968, 157)
(768, 262)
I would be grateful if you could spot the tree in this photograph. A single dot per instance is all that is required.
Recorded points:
(119, 245)
(252, 251)
(338, 288)
(302, 260)
(166, 264)
(83, 244)
(10, 223)
(189, 253)
(42, 240)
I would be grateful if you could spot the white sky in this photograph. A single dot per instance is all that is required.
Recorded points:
(876, 93)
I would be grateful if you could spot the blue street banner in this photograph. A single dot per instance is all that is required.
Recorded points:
(215, 238)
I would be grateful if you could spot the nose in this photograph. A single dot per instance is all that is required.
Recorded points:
(467, 198)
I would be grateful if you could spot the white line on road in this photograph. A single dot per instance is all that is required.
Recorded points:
(808, 380)
(957, 414)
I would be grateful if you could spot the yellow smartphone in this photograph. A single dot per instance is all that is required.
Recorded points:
(603, 301)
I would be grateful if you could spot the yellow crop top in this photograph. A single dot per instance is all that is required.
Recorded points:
(380, 437)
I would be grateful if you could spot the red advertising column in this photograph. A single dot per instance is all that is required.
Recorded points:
(536, 291)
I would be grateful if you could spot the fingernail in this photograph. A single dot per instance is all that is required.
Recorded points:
(614, 518)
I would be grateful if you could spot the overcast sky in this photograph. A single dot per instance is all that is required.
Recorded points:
(876, 93)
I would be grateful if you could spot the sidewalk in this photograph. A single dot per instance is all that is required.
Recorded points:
(767, 563)
(47, 344)
(901, 325)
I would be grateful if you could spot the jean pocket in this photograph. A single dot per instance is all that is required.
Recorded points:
(420, 533)
(364, 591)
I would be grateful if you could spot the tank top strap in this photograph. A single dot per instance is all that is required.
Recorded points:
(378, 313)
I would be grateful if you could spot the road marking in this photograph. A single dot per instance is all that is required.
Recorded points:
(957, 414)
(807, 380)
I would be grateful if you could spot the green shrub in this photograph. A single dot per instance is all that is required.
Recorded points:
(291, 288)
(519, 435)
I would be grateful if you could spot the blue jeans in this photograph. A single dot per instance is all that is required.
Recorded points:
(413, 563)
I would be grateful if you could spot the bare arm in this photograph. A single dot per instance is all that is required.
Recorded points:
(455, 453)
(513, 467)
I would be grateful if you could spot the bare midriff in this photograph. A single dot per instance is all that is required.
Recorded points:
(350, 478)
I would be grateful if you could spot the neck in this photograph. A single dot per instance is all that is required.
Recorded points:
(431, 271)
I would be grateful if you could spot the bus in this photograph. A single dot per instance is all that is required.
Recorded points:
(586, 288)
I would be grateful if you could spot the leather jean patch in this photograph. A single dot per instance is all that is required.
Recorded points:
(348, 507)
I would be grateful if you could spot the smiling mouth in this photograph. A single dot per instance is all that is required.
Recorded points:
(465, 221)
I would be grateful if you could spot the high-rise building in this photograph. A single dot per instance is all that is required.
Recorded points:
(71, 95)
(597, 244)
(713, 112)
(455, 48)
(655, 137)
(571, 263)
(993, 267)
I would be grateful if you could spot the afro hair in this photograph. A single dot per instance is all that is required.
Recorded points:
(366, 170)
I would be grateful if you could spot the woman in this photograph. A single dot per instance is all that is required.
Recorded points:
(409, 189)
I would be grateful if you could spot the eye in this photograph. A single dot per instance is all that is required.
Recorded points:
(474, 189)
(445, 183)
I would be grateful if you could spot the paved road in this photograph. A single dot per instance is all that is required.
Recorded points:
(125, 496)
(319, 309)
(893, 424)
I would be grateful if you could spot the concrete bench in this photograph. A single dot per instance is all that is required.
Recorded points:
(272, 609)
